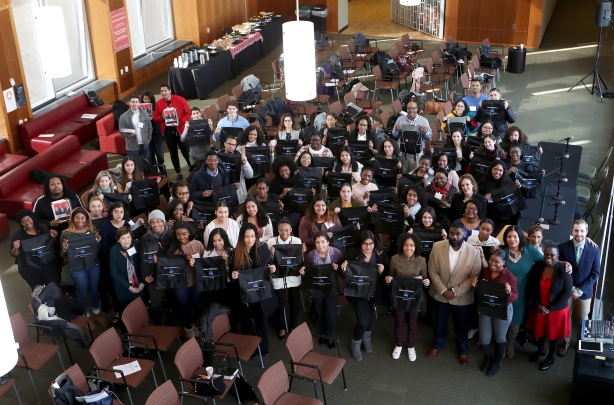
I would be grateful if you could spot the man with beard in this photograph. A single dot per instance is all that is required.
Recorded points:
(452, 265)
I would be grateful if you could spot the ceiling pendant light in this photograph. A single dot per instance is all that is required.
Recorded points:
(299, 59)
(52, 41)
(410, 2)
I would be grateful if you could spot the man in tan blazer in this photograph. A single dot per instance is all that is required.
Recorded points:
(452, 265)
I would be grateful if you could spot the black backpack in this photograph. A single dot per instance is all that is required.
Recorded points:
(248, 98)
(67, 393)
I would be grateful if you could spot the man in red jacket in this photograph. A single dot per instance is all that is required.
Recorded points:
(172, 130)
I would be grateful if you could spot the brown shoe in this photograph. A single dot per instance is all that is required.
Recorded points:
(563, 348)
(100, 320)
(464, 359)
(432, 353)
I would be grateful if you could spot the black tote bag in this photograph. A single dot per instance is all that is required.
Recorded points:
(322, 280)
(389, 219)
(259, 157)
(199, 133)
(228, 194)
(479, 165)
(387, 170)
(406, 294)
(335, 139)
(230, 131)
(148, 250)
(203, 212)
(493, 110)
(530, 183)
(145, 194)
(255, 285)
(232, 164)
(82, 251)
(508, 201)
(171, 272)
(492, 299)
(286, 147)
(409, 180)
(361, 151)
(299, 199)
(309, 177)
(345, 238)
(360, 280)
(38, 251)
(355, 215)
(428, 238)
(382, 195)
(110, 198)
(324, 162)
(211, 273)
(288, 259)
(410, 140)
(335, 181)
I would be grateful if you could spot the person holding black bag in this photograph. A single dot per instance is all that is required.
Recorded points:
(389, 149)
(210, 176)
(246, 173)
(318, 218)
(496, 178)
(468, 190)
(175, 212)
(85, 279)
(124, 268)
(255, 214)
(463, 151)
(413, 199)
(489, 325)
(250, 254)
(346, 200)
(373, 253)
(441, 192)
(408, 264)
(285, 131)
(130, 172)
(31, 228)
(346, 163)
(197, 152)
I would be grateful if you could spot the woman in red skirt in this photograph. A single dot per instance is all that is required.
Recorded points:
(549, 288)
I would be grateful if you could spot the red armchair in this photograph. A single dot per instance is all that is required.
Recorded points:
(62, 120)
(19, 191)
(8, 162)
(110, 139)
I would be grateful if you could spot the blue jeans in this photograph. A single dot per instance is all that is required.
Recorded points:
(189, 299)
(143, 150)
(460, 314)
(156, 146)
(86, 283)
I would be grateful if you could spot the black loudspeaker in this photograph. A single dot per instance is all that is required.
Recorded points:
(603, 14)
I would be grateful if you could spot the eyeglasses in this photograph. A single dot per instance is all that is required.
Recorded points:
(363, 125)
(515, 152)
(262, 188)
(412, 108)
(471, 209)
(231, 144)
(183, 193)
(367, 244)
(486, 127)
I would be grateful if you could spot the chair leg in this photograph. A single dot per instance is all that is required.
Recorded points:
(69, 354)
(345, 387)
(240, 367)
(261, 362)
(17, 393)
(91, 334)
(34, 386)
(162, 364)
(154, 377)
(323, 394)
(129, 396)
(61, 362)
(234, 384)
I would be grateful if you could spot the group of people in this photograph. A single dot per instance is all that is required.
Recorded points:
(435, 223)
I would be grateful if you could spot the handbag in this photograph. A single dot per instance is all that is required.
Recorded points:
(309, 177)
(171, 271)
(289, 259)
(38, 251)
(492, 299)
(199, 133)
(530, 183)
(479, 165)
(406, 294)
(232, 164)
(255, 285)
(360, 279)
(286, 147)
(228, 194)
(345, 238)
(389, 219)
(355, 215)
(148, 250)
(82, 251)
(299, 199)
(259, 157)
(203, 212)
(428, 238)
(383, 195)
(211, 273)
(387, 170)
(322, 280)
(145, 194)
(361, 151)
(508, 201)
(324, 162)
(211, 387)
(407, 179)
(335, 139)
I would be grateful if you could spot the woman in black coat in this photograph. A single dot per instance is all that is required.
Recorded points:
(496, 177)
(548, 290)
(467, 190)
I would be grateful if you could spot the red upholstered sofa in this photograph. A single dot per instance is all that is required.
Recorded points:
(8, 162)
(64, 119)
(110, 139)
(19, 191)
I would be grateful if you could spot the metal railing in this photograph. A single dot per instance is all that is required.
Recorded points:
(598, 302)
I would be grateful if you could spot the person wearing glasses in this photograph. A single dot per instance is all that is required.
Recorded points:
(181, 191)
(412, 118)
(286, 132)
(363, 133)
(230, 146)
(516, 162)
(486, 129)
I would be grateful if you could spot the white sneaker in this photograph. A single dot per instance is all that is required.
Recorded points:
(396, 353)
(472, 333)
(411, 352)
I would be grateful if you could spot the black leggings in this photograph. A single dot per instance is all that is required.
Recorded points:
(364, 310)
(43, 276)
(326, 312)
(173, 142)
(293, 299)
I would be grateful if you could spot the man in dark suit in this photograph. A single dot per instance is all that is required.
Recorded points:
(586, 266)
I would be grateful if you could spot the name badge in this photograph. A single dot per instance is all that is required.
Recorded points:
(140, 125)
(472, 108)
(131, 251)
(438, 196)
(196, 256)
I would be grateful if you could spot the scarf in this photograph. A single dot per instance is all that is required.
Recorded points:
(442, 190)
(413, 210)
(106, 190)
(317, 259)
(132, 279)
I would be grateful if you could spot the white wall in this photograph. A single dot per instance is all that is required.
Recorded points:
(547, 10)
(342, 14)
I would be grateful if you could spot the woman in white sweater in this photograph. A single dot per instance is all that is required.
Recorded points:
(255, 214)
(223, 221)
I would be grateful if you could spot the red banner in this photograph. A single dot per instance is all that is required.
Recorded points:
(119, 28)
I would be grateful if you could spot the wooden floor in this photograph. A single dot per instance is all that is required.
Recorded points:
(372, 18)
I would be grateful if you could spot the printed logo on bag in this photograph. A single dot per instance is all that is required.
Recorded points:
(82, 251)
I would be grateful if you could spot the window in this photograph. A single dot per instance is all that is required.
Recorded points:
(151, 25)
(40, 88)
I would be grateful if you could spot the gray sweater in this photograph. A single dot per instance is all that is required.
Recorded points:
(126, 127)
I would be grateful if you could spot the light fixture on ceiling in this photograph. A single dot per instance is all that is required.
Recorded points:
(52, 41)
(299, 59)
(8, 347)
(410, 2)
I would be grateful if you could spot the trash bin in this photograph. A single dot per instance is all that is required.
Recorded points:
(304, 13)
(318, 16)
(516, 59)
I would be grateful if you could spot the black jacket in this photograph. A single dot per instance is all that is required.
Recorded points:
(456, 206)
(202, 181)
(560, 289)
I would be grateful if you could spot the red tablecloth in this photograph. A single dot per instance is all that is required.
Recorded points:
(251, 39)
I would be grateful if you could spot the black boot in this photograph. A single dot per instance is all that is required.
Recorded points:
(487, 357)
(547, 363)
(523, 338)
(541, 350)
(497, 358)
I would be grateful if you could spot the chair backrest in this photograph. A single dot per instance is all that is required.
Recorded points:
(273, 383)
(384, 117)
(440, 116)
(210, 113)
(221, 102)
(351, 46)
(595, 227)
(447, 107)
(106, 348)
(349, 98)
(437, 130)
(300, 342)
(592, 204)
(601, 178)
(237, 91)
(336, 108)
(605, 161)
(78, 378)
(189, 358)
(163, 203)
(377, 73)
(475, 60)
(399, 47)
(465, 81)
(435, 56)
(397, 107)
(275, 67)
(85, 197)
(20, 329)
(220, 326)
(135, 316)
(470, 71)
(165, 394)
(394, 53)
(405, 40)
(344, 52)
(428, 64)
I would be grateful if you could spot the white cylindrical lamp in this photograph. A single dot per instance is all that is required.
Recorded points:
(52, 41)
(8, 348)
(410, 2)
(299, 60)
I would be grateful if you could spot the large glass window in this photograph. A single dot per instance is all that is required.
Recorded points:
(40, 88)
(151, 24)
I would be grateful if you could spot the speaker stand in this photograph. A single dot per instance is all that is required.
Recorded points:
(597, 79)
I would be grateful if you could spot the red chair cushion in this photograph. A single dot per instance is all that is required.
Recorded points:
(4, 226)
